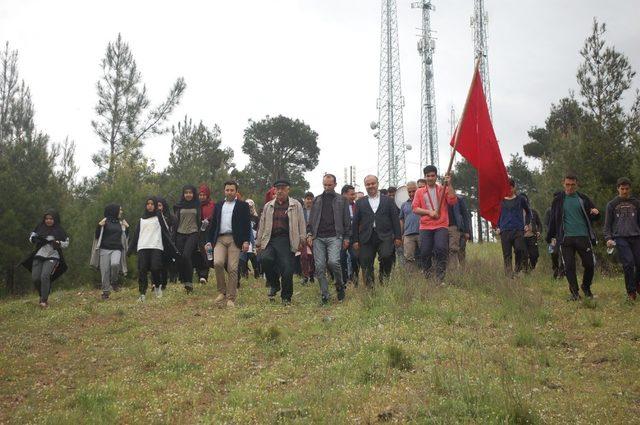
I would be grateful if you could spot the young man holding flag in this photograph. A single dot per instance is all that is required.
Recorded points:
(431, 203)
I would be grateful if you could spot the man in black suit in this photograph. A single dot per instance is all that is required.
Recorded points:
(229, 235)
(376, 228)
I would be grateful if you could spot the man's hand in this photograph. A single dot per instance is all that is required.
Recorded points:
(432, 213)
(356, 246)
(245, 247)
(447, 179)
(124, 223)
(611, 243)
(397, 243)
(527, 227)
(102, 222)
(345, 244)
(594, 211)
(537, 235)
(310, 241)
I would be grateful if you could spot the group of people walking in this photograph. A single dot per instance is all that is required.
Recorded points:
(334, 236)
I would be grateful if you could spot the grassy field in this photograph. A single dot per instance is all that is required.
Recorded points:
(482, 349)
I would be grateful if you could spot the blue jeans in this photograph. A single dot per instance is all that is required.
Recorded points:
(326, 251)
(434, 244)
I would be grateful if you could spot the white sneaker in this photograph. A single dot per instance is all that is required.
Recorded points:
(158, 291)
(203, 281)
(141, 298)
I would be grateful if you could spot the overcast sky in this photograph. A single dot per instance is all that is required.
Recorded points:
(316, 60)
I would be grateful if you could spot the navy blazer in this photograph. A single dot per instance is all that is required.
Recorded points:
(240, 223)
(386, 219)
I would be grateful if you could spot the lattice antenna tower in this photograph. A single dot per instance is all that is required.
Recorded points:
(428, 125)
(479, 23)
(390, 135)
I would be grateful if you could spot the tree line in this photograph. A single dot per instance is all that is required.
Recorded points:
(37, 173)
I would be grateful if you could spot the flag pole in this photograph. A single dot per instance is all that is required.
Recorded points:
(456, 136)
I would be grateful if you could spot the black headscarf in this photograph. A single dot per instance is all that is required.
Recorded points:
(43, 231)
(183, 203)
(146, 213)
(111, 212)
(165, 206)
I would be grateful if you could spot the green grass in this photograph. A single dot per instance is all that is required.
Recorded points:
(483, 349)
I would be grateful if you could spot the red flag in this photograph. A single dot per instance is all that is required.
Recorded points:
(477, 143)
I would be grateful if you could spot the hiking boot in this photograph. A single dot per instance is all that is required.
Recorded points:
(141, 298)
(203, 281)
(587, 291)
(341, 294)
(105, 296)
(230, 304)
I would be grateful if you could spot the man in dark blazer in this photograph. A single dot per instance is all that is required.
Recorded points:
(229, 235)
(376, 228)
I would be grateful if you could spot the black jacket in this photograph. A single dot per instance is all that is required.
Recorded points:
(386, 219)
(240, 223)
(556, 217)
(622, 218)
(341, 216)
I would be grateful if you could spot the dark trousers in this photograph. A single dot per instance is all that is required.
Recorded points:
(556, 264)
(533, 252)
(187, 245)
(367, 255)
(434, 245)
(629, 254)
(249, 257)
(149, 260)
(352, 257)
(568, 249)
(513, 241)
(277, 259)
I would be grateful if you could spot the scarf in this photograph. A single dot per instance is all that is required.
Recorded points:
(193, 203)
(43, 231)
(155, 212)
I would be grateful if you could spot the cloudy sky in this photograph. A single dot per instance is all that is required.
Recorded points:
(316, 60)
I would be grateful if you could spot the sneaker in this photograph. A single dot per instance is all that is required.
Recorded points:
(43, 304)
(158, 291)
(105, 296)
(587, 291)
(341, 294)
(141, 298)
(325, 300)
(219, 299)
(230, 304)
(203, 281)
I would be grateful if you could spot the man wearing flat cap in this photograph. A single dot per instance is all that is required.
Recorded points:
(281, 234)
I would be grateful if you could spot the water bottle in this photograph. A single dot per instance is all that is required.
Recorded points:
(209, 249)
(204, 225)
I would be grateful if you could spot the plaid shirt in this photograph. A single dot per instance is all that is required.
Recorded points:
(280, 219)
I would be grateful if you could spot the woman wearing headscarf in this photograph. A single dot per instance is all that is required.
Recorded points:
(207, 206)
(109, 248)
(169, 271)
(188, 223)
(46, 263)
(150, 239)
(250, 256)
